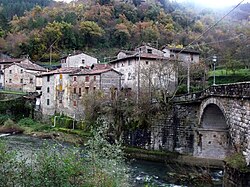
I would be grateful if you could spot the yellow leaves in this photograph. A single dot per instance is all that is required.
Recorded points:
(122, 28)
(91, 28)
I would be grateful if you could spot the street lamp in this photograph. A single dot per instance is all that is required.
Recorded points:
(214, 61)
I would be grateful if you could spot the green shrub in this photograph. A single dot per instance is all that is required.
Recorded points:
(100, 164)
(10, 127)
(27, 122)
(4, 118)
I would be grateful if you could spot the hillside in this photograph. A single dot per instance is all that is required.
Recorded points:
(103, 27)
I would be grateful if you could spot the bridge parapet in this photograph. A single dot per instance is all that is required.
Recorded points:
(239, 90)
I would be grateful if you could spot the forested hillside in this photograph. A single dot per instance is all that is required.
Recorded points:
(103, 27)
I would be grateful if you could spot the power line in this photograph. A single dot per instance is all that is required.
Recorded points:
(209, 28)
(220, 41)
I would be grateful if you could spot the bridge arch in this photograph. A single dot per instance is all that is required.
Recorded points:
(213, 132)
(215, 108)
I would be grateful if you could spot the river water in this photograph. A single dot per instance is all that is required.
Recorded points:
(142, 172)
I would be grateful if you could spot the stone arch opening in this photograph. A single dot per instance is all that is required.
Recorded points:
(213, 118)
(213, 134)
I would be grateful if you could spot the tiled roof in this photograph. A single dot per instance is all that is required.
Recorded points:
(65, 70)
(96, 69)
(30, 66)
(177, 50)
(10, 60)
(142, 55)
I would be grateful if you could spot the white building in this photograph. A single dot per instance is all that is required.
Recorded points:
(78, 60)
(146, 67)
(184, 55)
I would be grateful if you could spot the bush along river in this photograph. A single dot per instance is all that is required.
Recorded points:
(140, 173)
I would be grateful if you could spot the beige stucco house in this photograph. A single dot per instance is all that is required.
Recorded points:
(22, 76)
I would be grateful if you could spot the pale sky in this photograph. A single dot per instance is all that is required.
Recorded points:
(215, 3)
(207, 3)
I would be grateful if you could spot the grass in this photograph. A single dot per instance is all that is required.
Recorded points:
(225, 72)
(12, 92)
(237, 161)
(223, 76)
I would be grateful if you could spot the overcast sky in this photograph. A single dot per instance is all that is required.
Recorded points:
(207, 3)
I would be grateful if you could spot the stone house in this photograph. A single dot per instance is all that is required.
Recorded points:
(22, 76)
(146, 67)
(78, 60)
(184, 55)
(63, 90)
(4, 63)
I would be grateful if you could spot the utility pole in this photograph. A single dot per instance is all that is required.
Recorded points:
(188, 76)
(214, 61)
(138, 76)
(50, 51)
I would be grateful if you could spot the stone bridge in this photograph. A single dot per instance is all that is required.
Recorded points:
(210, 124)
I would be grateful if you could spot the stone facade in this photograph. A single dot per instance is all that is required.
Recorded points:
(22, 76)
(63, 90)
(147, 68)
(186, 56)
(209, 124)
(78, 60)
(4, 63)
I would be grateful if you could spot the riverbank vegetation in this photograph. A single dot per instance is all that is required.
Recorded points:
(98, 164)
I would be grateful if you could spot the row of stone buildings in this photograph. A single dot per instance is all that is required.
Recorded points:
(63, 90)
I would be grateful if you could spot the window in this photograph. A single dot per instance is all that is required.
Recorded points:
(74, 78)
(94, 78)
(86, 90)
(129, 62)
(74, 103)
(94, 88)
(80, 91)
(192, 57)
(21, 70)
(48, 90)
(10, 71)
(74, 90)
(129, 76)
(83, 61)
(146, 62)
(31, 81)
(10, 80)
(21, 80)
(87, 79)
(150, 51)
(48, 78)
(47, 101)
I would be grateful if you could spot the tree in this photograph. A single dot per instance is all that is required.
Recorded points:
(90, 31)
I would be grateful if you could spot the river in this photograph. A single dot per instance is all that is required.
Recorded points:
(142, 172)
